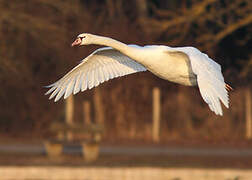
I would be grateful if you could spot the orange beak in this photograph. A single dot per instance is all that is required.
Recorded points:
(76, 42)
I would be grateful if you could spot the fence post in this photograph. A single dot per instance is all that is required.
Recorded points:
(86, 112)
(99, 112)
(69, 114)
(248, 111)
(156, 111)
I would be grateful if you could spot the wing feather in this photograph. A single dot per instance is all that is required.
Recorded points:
(100, 66)
(51, 90)
(84, 81)
(77, 84)
(54, 92)
(209, 78)
(102, 79)
(70, 87)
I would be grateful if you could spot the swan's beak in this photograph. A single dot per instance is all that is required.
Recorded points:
(76, 42)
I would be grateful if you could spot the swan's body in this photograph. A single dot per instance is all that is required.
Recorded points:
(182, 65)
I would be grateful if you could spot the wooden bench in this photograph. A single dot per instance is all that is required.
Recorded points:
(90, 144)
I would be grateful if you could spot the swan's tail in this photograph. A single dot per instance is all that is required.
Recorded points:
(229, 88)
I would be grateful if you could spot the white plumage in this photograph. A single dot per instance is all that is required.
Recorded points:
(183, 65)
(100, 66)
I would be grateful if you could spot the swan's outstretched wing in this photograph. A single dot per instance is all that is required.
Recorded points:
(100, 66)
(210, 80)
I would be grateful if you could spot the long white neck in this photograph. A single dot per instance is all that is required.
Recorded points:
(123, 48)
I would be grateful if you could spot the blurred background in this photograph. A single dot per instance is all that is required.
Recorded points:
(35, 38)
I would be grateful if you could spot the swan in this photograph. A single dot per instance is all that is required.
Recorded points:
(183, 65)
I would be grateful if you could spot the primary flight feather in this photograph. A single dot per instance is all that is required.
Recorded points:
(182, 65)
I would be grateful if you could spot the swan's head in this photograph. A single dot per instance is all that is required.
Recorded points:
(83, 39)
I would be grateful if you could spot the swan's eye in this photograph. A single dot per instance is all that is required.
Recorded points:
(82, 37)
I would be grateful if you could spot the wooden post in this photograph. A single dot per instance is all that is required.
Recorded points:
(69, 114)
(86, 112)
(99, 113)
(248, 112)
(156, 115)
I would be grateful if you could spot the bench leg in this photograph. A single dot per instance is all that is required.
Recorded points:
(90, 151)
(53, 149)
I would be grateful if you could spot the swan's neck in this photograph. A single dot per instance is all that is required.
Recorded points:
(123, 48)
(105, 41)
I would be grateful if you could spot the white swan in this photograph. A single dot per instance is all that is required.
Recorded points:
(183, 65)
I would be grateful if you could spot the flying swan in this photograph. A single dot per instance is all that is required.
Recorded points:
(183, 65)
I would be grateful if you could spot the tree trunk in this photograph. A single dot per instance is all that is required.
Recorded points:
(142, 9)
(111, 8)
(115, 8)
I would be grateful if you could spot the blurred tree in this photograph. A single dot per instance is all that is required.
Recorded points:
(34, 51)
